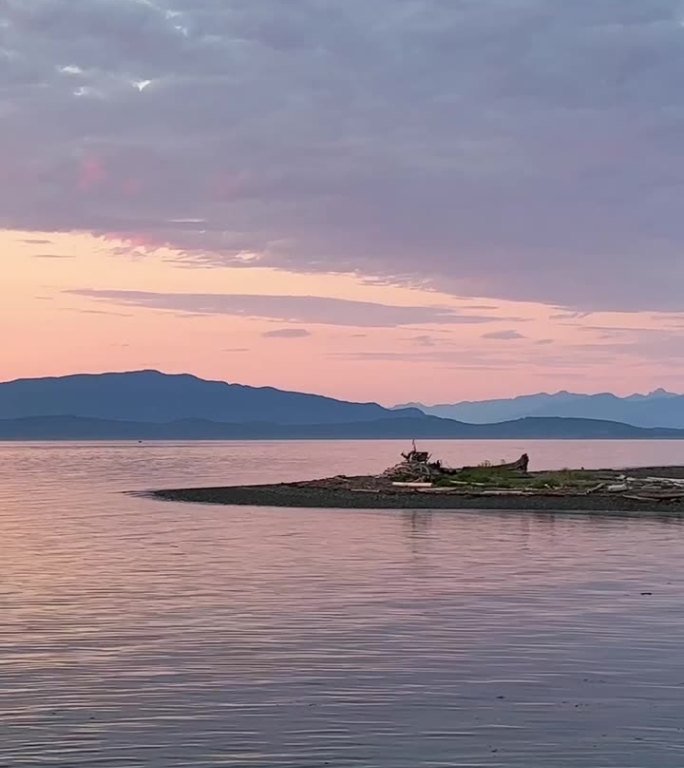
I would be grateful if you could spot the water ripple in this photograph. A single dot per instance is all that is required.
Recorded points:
(138, 633)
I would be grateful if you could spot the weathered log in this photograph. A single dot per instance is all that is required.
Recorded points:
(521, 465)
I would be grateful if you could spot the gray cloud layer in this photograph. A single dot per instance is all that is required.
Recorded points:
(519, 149)
(286, 333)
(292, 309)
(510, 335)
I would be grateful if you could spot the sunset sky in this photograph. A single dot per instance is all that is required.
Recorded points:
(393, 200)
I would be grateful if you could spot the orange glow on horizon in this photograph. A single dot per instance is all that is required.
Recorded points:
(525, 347)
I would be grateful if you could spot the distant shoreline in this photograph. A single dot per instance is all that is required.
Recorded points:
(328, 439)
(327, 494)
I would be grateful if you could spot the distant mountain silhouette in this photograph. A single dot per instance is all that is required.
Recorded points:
(151, 396)
(149, 405)
(405, 428)
(657, 409)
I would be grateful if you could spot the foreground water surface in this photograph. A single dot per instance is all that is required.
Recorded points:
(135, 632)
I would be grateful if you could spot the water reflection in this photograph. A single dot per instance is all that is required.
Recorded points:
(140, 633)
(417, 525)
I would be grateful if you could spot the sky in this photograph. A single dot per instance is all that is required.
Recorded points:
(395, 200)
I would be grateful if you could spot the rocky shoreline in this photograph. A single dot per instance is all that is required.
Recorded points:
(373, 492)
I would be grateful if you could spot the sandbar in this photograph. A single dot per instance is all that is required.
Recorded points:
(372, 492)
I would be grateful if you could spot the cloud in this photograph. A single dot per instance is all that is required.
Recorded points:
(612, 330)
(52, 256)
(526, 150)
(423, 341)
(442, 358)
(289, 309)
(503, 335)
(644, 346)
(286, 333)
(95, 312)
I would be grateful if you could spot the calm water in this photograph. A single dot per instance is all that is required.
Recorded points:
(143, 633)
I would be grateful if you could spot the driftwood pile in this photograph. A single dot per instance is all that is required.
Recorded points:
(419, 473)
(647, 488)
(416, 467)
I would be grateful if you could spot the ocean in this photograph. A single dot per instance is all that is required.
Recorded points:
(137, 632)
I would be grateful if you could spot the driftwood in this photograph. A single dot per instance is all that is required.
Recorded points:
(415, 456)
(417, 474)
(676, 482)
(417, 467)
(640, 496)
(521, 465)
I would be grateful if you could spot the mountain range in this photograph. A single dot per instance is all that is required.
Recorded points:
(656, 409)
(149, 405)
(151, 396)
(427, 427)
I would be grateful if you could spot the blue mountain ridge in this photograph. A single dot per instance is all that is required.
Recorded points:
(431, 427)
(152, 396)
(656, 409)
(154, 405)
